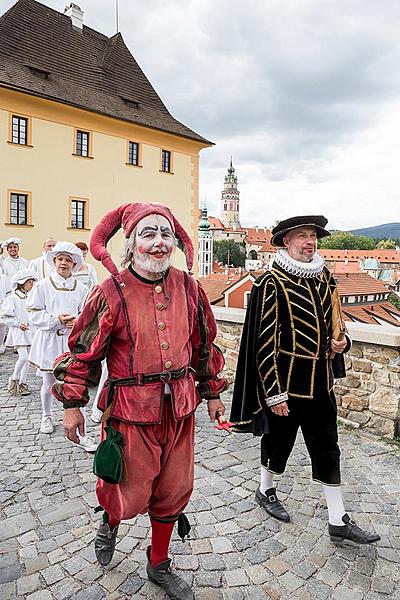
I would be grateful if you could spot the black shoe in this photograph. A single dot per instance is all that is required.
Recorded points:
(104, 543)
(351, 531)
(174, 586)
(271, 504)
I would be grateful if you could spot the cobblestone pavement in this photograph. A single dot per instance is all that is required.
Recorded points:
(236, 551)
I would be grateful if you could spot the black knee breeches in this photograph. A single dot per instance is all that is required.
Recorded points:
(317, 420)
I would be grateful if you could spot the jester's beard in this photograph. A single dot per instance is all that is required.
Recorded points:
(156, 263)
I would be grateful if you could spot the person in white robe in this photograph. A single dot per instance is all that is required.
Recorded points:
(13, 262)
(5, 288)
(53, 306)
(20, 332)
(40, 265)
(86, 273)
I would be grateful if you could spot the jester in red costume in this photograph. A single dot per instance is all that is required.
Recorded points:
(154, 326)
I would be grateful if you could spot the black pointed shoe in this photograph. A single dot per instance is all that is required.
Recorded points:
(350, 531)
(104, 543)
(271, 504)
(174, 586)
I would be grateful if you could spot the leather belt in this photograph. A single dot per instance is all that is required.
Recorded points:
(143, 378)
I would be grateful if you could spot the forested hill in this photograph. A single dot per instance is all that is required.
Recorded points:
(386, 231)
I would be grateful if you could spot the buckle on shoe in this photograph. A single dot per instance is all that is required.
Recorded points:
(271, 498)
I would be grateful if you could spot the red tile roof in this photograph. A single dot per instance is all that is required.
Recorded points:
(351, 266)
(353, 284)
(385, 256)
(41, 54)
(267, 247)
(373, 314)
(215, 223)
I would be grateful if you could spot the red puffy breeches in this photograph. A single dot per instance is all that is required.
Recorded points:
(158, 469)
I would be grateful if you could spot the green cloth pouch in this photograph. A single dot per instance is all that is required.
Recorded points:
(108, 461)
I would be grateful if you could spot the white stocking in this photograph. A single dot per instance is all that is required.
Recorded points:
(45, 395)
(267, 480)
(3, 330)
(334, 501)
(21, 366)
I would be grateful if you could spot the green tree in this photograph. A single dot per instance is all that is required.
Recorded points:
(230, 252)
(395, 300)
(344, 240)
(386, 245)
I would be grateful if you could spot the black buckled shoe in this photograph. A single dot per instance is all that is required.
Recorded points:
(174, 586)
(104, 543)
(350, 531)
(271, 504)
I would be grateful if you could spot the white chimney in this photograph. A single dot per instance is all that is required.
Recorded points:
(75, 13)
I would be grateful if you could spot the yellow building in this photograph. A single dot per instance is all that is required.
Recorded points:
(82, 131)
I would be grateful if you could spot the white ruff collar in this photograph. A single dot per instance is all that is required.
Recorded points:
(300, 269)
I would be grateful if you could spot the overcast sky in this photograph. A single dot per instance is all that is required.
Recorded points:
(304, 94)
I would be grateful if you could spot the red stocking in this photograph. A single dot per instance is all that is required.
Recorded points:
(160, 539)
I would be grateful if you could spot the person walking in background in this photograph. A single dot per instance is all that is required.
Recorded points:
(40, 264)
(5, 288)
(13, 262)
(1, 256)
(86, 274)
(20, 332)
(284, 376)
(53, 306)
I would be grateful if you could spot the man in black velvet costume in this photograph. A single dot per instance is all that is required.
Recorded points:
(284, 377)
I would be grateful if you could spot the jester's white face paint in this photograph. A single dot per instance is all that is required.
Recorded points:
(154, 244)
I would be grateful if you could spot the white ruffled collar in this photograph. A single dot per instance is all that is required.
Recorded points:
(300, 269)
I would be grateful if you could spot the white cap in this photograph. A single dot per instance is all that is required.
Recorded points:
(22, 276)
(66, 248)
(13, 240)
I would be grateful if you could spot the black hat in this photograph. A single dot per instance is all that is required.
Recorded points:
(280, 230)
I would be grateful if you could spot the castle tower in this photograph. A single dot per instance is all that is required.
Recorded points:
(205, 249)
(230, 200)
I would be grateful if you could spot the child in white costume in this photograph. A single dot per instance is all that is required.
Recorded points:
(5, 289)
(20, 333)
(53, 306)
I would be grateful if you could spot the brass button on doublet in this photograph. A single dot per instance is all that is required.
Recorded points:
(158, 289)
(168, 364)
(160, 306)
(161, 325)
(164, 345)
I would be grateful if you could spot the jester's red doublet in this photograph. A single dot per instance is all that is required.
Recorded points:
(144, 328)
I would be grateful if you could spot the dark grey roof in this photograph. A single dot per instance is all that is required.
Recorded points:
(42, 54)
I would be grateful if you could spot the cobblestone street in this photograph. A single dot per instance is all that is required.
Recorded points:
(236, 551)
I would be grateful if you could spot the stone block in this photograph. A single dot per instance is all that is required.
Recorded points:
(359, 417)
(352, 381)
(391, 353)
(355, 351)
(382, 426)
(28, 584)
(377, 358)
(15, 526)
(226, 343)
(362, 365)
(381, 376)
(62, 512)
(385, 403)
(353, 402)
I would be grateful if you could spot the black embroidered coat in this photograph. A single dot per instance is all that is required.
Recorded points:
(287, 330)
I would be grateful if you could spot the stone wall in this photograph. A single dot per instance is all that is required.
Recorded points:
(369, 397)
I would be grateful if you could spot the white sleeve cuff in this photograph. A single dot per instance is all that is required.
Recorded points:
(277, 399)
